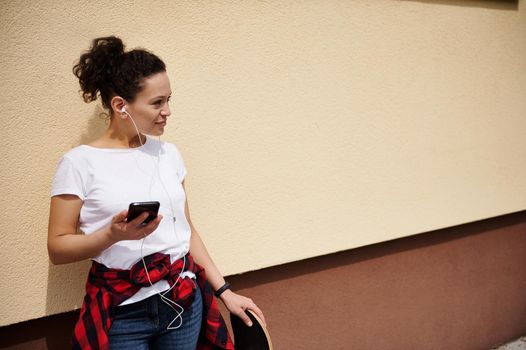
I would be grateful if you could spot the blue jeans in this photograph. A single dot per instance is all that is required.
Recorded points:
(143, 325)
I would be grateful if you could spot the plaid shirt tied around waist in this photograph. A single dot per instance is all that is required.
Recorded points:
(106, 288)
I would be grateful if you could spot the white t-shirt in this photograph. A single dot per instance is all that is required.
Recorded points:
(107, 180)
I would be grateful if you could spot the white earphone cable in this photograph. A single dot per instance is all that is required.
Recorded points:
(172, 304)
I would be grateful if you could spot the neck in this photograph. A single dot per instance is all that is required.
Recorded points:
(120, 135)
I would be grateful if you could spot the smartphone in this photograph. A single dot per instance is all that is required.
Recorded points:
(137, 208)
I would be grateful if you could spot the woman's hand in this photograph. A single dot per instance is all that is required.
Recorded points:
(120, 230)
(237, 304)
(66, 245)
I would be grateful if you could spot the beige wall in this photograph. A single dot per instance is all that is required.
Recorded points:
(307, 127)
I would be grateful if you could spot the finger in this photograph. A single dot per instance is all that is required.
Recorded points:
(139, 219)
(154, 223)
(120, 216)
(244, 317)
(259, 313)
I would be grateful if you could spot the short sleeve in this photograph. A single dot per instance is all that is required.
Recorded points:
(181, 168)
(67, 180)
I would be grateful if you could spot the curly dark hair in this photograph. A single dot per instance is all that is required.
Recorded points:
(106, 70)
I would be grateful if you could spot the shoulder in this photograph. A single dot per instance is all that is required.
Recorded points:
(82, 157)
(168, 147)
(77, 153)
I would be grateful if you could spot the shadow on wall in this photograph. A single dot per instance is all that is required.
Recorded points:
(65, 292)
(97, 124)
(66, 283)
(509, 5)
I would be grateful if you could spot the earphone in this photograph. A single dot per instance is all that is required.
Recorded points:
(123, 110)
(176, 307)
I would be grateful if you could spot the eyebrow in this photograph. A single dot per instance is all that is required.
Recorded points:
(160, 96)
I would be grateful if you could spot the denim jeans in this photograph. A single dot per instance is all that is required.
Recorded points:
(143, 325)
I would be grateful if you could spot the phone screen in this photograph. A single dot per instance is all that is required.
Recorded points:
(137, 208)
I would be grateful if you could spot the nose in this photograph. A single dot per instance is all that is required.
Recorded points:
(166, 110)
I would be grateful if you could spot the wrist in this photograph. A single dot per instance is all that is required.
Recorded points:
(108, 236)
(226, 295)
(224, 288)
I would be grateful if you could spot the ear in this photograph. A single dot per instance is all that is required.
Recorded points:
(117, 103)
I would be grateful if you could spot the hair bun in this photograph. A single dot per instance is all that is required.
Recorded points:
(98, 65)
(106, 70)
(110, 45)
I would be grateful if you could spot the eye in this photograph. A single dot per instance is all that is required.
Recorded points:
(157, 102)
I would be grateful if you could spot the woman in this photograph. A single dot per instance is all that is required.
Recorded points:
(146, 288)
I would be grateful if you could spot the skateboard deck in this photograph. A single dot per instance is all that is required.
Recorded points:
(250, 338)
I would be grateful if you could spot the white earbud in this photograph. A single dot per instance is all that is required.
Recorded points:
(124, 113)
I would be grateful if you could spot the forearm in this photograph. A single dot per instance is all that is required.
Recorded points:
(72, 247)
(235, 303)
(201, 256)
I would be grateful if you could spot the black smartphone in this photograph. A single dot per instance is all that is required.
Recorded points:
(137, 208)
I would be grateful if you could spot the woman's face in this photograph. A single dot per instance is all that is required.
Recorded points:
(150, 110)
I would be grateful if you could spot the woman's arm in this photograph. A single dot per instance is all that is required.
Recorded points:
(235, 303)
(65, 245)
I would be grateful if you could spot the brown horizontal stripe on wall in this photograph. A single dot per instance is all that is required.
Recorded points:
(456, 288)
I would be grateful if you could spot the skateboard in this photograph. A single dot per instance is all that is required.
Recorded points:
(250, 338)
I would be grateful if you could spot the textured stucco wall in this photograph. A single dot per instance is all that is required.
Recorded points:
(307, 127)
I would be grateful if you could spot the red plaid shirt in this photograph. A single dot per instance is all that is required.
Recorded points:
(107, 288)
